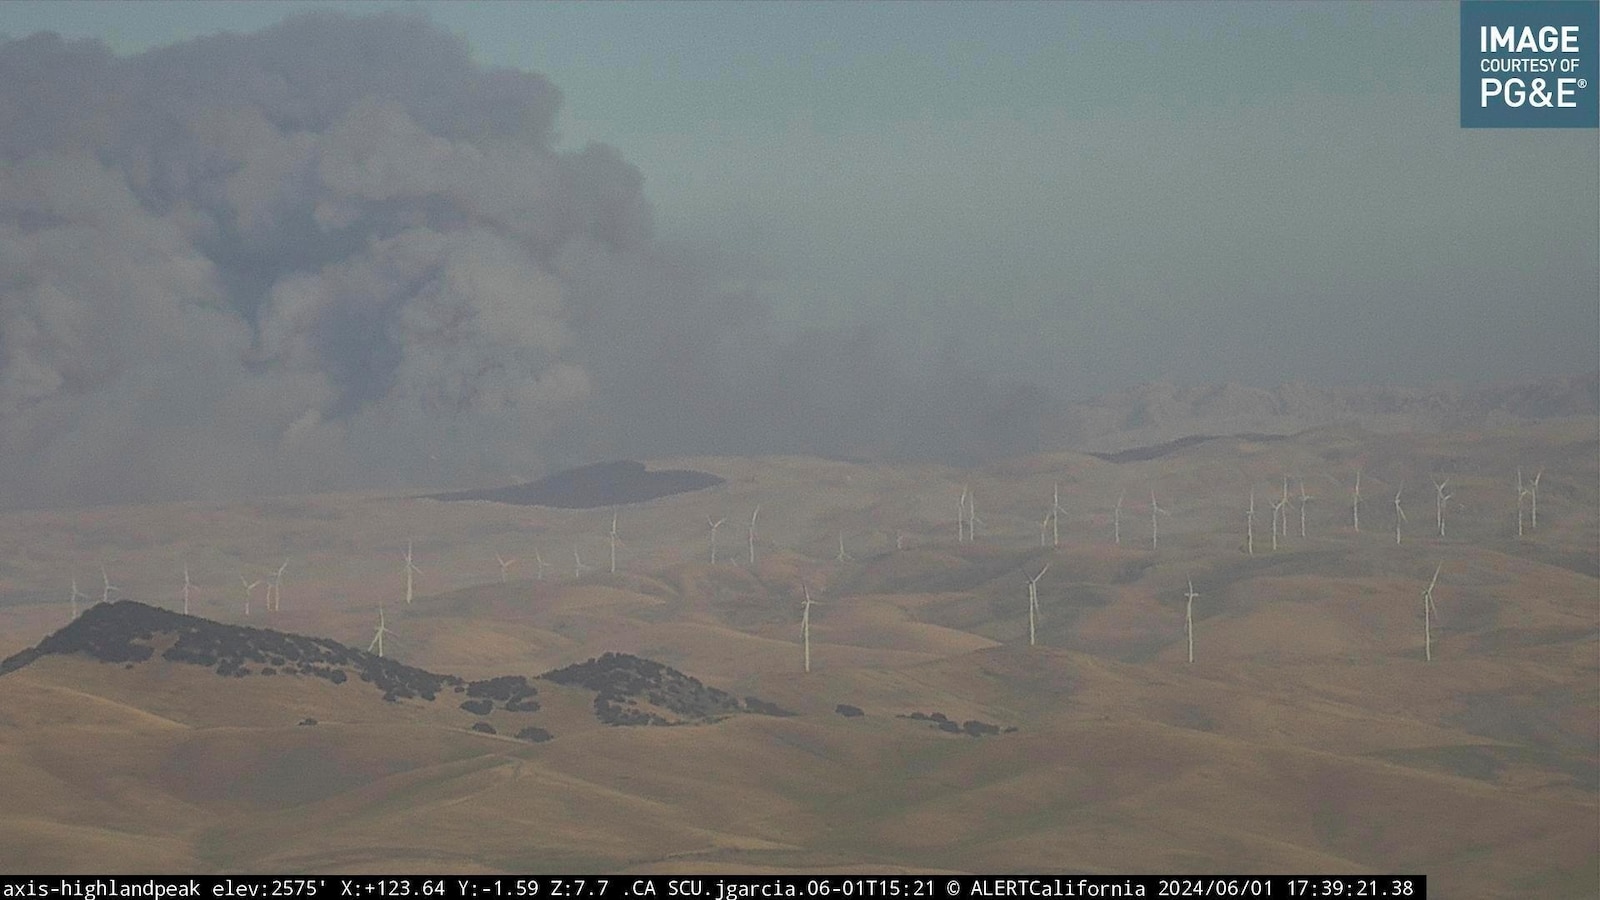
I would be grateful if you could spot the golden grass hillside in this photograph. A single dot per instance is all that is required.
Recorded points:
(1309, 734)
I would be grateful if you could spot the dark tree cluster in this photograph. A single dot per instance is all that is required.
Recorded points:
(117, 632)
(402, 682)
(615, 709)
(124, 631)
(971, 727)
(512, 691)
(848, 711)
(620, 681)
(618, 677)
(483, 727)
(763, 708)
(534, 734)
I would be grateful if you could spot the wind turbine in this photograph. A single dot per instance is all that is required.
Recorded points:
(972, 517)
(187, 586)
(1188, 617)
(1250, 525)
(1399, 514)
(1033, 602)
(1355, 503)
(752, 534)
(1438, 487)
(1521, 492)
(275, 589)
(1285, 499)
(614, 542)
(249, 589)
(1055, 517)
(578, 568)
(76, 596)
(899, 539)
(1044, 526)
(1533, 495)
(843, 556)
(105, 596)
(1153, 510)
(1428, 612)
(805, 624)
(961, 517)
(1116, 520)
(714, 526)
(1304, 499)
(505, 564)
(411, 569)
(542, 564)
(1277, 514)
(377, 636)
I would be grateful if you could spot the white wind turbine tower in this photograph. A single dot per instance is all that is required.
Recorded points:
(805, 625)
(275, 589)
(1188, 617)
(249, 589)
(187, 586)
(714, 526)
(843, 556)
(1116, 521)
(542, 565)
(899, 539)
(411, 569)
(1277, 514)
(1055, 517)
(1033, 602)
(1428, 612)
(1284, 519)
(1355, 503)
(1304, 499)
(1521, 492)
(578, 568)
(1438, 487)
(1250, 525)
(105, 596)
(1044, 527)
(505, 564)
(377, 636)
(1399, 514)
(751, 534)
(614, 543)
(1153, 510)
(76, 596)
(961, 517)
(1533, 495)
(972, 517)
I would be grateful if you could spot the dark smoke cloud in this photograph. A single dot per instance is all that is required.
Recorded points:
(338, 253)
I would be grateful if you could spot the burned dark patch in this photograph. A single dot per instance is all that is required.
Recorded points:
(590, 487)
(1156, 451)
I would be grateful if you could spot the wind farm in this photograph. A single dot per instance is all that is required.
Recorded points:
(346, 304)
(1317, 636)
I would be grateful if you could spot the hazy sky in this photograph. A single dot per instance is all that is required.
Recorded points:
(1088, 194)
(346, 261)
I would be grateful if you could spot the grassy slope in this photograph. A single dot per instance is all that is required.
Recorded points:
(1308, 736)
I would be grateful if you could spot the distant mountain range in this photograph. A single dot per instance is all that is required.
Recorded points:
(1159, 413)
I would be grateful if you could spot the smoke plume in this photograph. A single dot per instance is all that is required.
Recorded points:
(338, 253)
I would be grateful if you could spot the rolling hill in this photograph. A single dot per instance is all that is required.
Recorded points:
(1309, 735)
